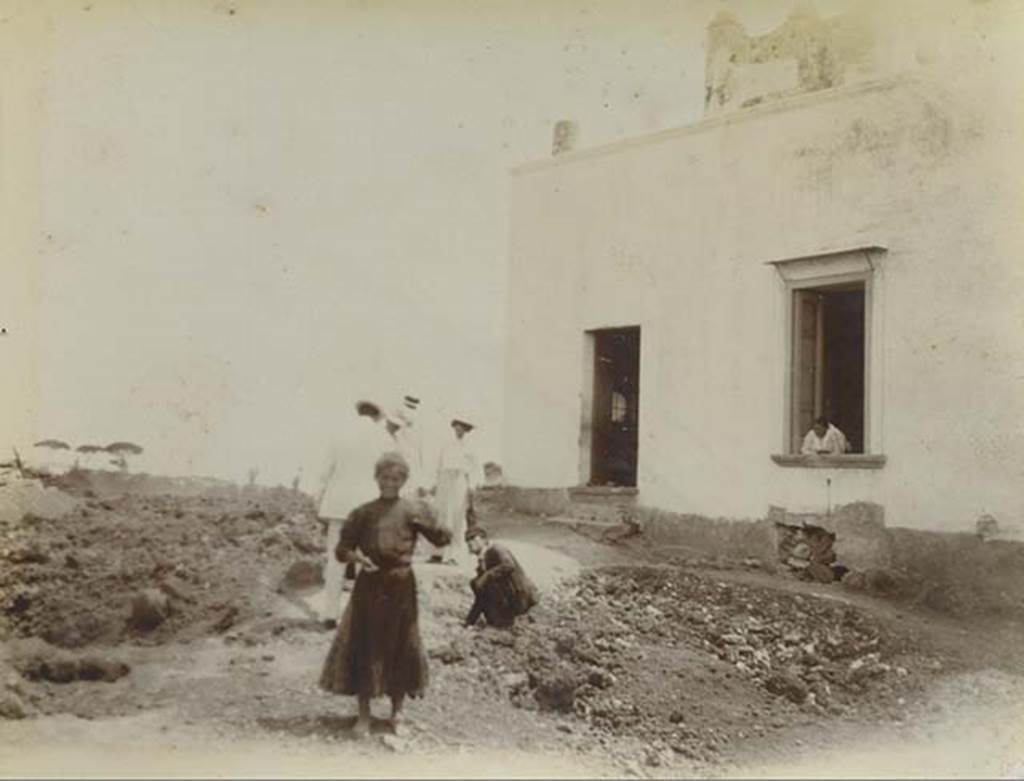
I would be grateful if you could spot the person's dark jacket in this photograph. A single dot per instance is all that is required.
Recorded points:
(501, 589)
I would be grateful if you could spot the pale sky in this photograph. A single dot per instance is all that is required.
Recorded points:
(237, 217)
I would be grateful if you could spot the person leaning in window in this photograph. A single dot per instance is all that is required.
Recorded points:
(824, 439)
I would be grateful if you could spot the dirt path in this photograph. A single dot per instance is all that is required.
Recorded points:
(971, 725)
(662, 703)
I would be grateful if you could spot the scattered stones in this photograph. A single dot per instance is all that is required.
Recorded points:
(515, 682)
(31, 554)
(302, 576)
(788, 686)
(304, 542)
(193, 543)
(36, 660)
(883, 582)
(74, 632)
(59, 670)
(556, 689)
(227, 620)
(96, 668)
(855, 580)
(11, 705)
(176, 589)
(149, 609)
(450, 653)
(600, 678)
(652, 758)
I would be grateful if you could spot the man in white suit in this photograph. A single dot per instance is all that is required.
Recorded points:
(347, 482)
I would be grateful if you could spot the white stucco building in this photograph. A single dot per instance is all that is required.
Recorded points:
(841, 238)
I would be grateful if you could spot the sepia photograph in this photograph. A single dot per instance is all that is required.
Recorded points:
(512, 389)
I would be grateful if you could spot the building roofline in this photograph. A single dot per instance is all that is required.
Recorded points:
(714, 122)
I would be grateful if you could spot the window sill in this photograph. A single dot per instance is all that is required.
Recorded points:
(850, 461)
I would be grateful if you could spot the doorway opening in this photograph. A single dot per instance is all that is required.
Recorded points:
(614, 407)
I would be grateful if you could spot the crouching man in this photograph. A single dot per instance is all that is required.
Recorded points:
(501, 589)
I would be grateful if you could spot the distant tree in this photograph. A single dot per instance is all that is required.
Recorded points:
(54, 445)
(121, 451)
(253, 474)
(89, 451)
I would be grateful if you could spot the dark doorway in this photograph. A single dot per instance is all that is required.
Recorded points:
(614, 424)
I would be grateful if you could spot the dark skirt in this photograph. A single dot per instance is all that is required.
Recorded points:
(377, 649)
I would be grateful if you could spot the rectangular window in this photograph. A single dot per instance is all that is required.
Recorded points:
(828, 361)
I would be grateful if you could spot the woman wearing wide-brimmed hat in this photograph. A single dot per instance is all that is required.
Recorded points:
(457, 476)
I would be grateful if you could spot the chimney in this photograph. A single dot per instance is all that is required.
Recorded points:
(565, 137)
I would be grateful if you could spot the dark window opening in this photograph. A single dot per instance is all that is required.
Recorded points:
(828, 361)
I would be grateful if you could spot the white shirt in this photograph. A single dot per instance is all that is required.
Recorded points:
(456, 456)
(347, 479)
(410, 446)
(834, 442)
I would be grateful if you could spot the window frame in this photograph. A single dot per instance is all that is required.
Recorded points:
(825, 270)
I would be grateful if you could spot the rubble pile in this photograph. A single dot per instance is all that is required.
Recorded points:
(36, 660)
(149, 569)
(807, 550)
(20, 495)
(647, 651)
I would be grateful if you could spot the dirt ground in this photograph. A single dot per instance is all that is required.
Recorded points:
(632, 664)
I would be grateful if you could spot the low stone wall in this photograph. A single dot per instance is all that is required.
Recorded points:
(604, 505)
(961, 574)
(531, 501)
(738, 539)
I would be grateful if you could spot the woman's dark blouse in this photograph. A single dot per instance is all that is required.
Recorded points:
(385, 530)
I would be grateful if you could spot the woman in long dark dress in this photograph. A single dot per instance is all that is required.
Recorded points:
(377, 649)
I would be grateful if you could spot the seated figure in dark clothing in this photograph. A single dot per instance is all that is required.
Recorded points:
(501, 589)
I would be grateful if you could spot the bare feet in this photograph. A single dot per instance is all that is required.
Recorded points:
(397, 722)
(400, 727)
(361, 728)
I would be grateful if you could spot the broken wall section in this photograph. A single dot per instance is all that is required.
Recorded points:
(806, 53)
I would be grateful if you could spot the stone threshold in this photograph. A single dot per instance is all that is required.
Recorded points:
(568, 520)
(602, 490)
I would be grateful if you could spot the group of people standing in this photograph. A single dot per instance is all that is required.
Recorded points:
(377, 649)
(346, 482)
